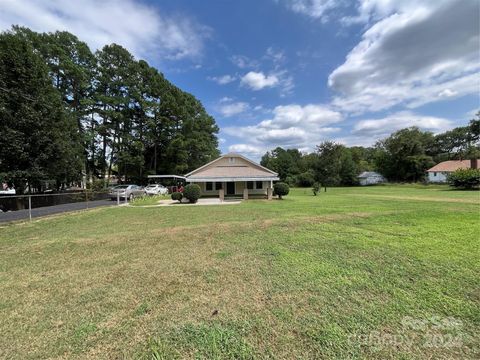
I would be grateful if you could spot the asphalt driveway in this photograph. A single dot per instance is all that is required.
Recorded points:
(50, 210)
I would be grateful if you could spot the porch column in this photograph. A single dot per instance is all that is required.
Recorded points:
(245, 193)
(221, 194)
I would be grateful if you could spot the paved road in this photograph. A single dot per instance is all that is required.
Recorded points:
(49, 210)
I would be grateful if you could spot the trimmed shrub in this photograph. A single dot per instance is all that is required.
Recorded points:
(281, 189)
(316, 188)
(177, 196)
(192, 192)
(465, 179)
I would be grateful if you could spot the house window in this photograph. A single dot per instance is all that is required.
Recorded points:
(218, 185)
(209, 186)
(434, 174)
(231, 160)
(250, 185)
(259, 184)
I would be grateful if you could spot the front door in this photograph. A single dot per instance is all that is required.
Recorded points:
(230, 188)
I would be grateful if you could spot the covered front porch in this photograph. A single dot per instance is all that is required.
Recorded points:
(235, 188)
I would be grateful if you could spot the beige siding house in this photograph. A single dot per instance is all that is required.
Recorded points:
(232, 174)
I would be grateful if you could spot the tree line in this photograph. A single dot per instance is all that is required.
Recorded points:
(404, 156)
(67, 114)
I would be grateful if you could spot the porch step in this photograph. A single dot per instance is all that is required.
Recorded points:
(233, 197)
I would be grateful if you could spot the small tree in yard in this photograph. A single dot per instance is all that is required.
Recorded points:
(316, 188)
(281, 189)
(192, 192)
(177, 196)
(465, 179)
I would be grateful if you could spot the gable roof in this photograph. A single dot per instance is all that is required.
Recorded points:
(248, 169)
(451, 165)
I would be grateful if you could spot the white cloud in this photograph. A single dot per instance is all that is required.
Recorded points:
(258, 80)
(367, 131)
(383, 127)
(276, 56)
(244, 62)
(418, 52)
(286, 83)
(251, 151)
(138, 27)
(472, 113)
(447, 93)
(291, 126)
(225, 99)
(229, 108)
(223, 80)
(318, 9)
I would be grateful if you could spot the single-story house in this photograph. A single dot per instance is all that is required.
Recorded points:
(233, 175)
(370, 178)
(439, 172)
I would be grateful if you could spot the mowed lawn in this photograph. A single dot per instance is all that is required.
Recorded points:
(378, 272)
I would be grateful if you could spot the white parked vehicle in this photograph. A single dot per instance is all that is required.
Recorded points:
(126, 191)
(8, 192)
(156, 189)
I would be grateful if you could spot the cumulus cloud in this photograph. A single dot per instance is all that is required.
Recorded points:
(138, 27)
(417, 52)
(367, 131)
(251, 151)
(291, 126)
(223, 80)
(258, 80)
(377, 128)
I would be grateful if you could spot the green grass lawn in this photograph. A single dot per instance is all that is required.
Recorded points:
(377, 272)
(149, 200)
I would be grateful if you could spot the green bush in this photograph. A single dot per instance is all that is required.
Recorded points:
(291, 180)
(177, 196)
(192, 192)
(96, 185)
(281, 189)
(465, 179)
(306, 179)
(316, 188)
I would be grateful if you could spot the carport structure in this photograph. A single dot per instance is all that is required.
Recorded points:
(175, 179)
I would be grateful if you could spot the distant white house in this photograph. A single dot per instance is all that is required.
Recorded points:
(439, 173)
(371, 178)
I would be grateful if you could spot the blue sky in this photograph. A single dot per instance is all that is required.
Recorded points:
(293, 73)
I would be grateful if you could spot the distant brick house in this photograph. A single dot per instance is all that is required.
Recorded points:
(439, 173)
